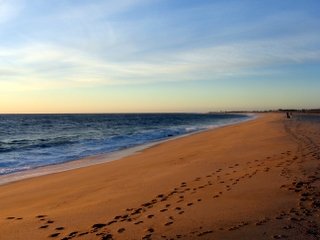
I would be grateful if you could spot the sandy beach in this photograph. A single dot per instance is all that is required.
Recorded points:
(252, 180)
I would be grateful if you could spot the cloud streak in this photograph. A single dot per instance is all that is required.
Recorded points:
(47, 66)
(103, 43)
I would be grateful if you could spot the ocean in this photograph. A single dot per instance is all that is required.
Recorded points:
(30, 142)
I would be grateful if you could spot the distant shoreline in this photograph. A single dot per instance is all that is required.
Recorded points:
(306, 111)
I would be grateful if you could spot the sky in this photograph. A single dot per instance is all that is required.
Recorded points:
(103, 56)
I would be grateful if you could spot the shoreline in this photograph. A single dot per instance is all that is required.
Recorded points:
(96, 159)
(258, 179)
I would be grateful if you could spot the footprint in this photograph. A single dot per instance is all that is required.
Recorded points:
(279, 236)
(137, 211)
(139, 222)
(287, 227)
(82, 234)
(73, 234)
(147, 236)
(54, 235)
(121, 230)
(107, 237)
(204, 233)
(148, 204)
(168, 223)
(98, 225)
(233, 228)
(44, 226)
(164, 199)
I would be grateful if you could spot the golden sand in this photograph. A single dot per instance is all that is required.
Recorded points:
(253, 180)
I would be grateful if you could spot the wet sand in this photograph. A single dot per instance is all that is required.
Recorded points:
(252, 180)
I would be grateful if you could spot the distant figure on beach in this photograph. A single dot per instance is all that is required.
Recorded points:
(289, 115)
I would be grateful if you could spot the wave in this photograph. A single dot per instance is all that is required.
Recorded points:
(96, 136)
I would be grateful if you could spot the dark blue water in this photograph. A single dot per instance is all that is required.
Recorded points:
(32, 141)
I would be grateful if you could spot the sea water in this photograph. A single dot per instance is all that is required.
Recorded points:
(29, 142)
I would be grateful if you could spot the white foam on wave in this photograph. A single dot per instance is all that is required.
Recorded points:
(105, 157)
(85, 162)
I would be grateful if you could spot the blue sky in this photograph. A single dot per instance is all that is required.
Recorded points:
(158, 56)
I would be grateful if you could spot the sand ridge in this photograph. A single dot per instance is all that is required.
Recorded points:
(254, 180)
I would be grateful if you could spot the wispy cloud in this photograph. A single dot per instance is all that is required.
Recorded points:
(49, 66)
(130, 42)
